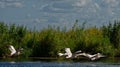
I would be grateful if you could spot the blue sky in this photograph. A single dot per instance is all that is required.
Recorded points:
(41, 13)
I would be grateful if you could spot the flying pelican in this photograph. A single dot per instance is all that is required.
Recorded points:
(97, 56)
(14, 51)
(90, 56)
(69, 54)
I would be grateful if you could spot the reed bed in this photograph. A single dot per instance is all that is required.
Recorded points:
(50, 41)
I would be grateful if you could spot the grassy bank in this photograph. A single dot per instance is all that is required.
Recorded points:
(48, 42)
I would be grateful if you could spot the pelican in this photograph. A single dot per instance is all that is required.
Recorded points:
(14, 51)
(97, 56)
(69, 54)
(90, 56)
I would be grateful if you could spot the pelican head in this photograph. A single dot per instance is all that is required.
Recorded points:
(19, 51)
(100, 55)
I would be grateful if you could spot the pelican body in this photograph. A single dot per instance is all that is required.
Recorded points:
(69, 54)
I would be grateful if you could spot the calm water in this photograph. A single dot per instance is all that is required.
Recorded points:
(60, 63)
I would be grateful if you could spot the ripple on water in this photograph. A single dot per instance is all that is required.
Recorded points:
(58, 64)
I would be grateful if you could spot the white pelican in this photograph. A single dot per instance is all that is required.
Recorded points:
(97, 56)
(91, 57)
(14, 51)
(69, 54)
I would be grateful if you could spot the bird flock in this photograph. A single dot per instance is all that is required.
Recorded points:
(69, 54)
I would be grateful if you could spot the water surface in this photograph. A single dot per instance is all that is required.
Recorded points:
(58, 64)
(109, 62)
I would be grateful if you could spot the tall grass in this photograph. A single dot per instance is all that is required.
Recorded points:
(48, 42)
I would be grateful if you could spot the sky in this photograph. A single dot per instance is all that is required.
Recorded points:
(39, 14)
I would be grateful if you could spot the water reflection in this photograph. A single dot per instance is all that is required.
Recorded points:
(18, 62)
(22, 59)
(57, 64)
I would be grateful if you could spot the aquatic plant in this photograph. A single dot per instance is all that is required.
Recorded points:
(49, 41)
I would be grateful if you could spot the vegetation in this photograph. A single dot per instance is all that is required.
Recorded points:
(48, 42)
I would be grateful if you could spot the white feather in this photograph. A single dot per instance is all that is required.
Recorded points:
(12, 49)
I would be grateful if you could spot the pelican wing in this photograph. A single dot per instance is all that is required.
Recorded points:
(68, 53)
(12, 49)
(78, 52)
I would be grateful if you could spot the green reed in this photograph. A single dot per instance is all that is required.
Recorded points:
(50, 41)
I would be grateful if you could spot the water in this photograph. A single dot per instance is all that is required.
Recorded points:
(22, 62)
(58, 64)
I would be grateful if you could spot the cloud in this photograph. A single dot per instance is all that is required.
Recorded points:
(43, 6)
(15, 4)
(9, 0)
(11, 3)
(2, 5)
(39, 20)
(86, 7)
(63, 12)
(81, 3)
(112, 3)
(97, 6)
